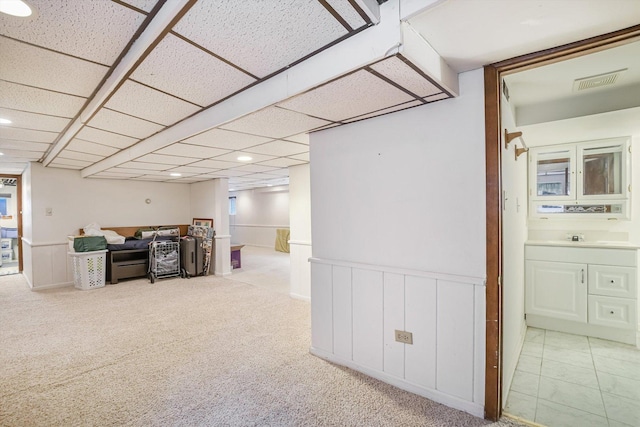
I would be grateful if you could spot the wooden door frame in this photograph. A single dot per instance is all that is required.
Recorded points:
(492, 87)
(18, 179)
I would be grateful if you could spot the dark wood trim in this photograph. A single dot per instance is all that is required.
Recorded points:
(394, 84)
(361, 12)
(492, 76)
(130, 6)
(336, 15)
(493, 367)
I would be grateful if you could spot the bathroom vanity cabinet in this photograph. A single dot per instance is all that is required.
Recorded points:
(583, 288)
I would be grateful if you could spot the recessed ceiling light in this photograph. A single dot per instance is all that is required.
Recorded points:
(15, 8)
(175, 174)
(245, 158)
(5, 121)
(232, 189)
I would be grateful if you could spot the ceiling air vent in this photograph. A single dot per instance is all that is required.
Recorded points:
(599, 80)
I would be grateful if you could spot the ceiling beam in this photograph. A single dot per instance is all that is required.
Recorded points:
(166, 18)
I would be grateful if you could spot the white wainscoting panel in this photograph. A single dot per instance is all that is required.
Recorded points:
(342, 313)
(46, 265)
(355, 309)
(367, 302)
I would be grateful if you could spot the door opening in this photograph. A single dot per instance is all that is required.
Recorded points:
(10, 224)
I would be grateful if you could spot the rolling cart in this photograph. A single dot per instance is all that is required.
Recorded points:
(164, 259)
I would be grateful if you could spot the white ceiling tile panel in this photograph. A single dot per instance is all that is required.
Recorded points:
(233, 157)
(353, 95)
(260, 36)
(275, 122)
(118, 175)
(123, 124)
(103, 137)
(436, 97)
(205, 80)
(128, 170)
(254, 168)
(91, 148)
(149, 104)
(70, 162)
(164, 160)
(112, 177)
(22, 63)
(75, 30)
(195, 151)
(75, 155)
(279, 148)
(304, 157)
(10, 155)
(396, 70)
(27, 134)
(144, 166)
(282, 162)
(213, 164)
(227, 173)
(24, 120)
(302, 138)
(145, 5)
(6, 144)
(190, 169)
(59, 165)
(221, 138)
(386, 110)
(35, 100)
(347, 11)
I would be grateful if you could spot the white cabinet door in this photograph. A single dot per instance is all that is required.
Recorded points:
(557, 289)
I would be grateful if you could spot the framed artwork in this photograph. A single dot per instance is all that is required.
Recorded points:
(202, 222)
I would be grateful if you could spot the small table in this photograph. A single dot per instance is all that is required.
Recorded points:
(236, 258)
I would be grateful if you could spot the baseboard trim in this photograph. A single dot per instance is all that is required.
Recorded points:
(300, 297)
(435, 395)
(51, 286)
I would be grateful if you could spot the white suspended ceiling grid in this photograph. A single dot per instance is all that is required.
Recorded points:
(54, 63)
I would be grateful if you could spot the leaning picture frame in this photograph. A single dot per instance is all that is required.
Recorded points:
(202, 222)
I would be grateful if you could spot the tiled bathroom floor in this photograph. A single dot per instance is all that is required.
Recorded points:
(565, 380)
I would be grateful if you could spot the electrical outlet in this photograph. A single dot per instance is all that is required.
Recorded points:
(404, 337)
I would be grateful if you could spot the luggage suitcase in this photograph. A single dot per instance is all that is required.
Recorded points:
(191, 257)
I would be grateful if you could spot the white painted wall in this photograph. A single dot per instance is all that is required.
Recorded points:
(398, 208)
(514, 235)
(259, 213)
(300, 238)
(76, 202)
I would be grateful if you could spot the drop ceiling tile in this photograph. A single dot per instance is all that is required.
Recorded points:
(10, 144)
(59, 165)
(143, 166)
(140, 101)
(75, 30)
(356, 94)
(302, 138)
(279, 148)
(347, 12)
(91, 148)
(189, 150)
(226, 139)
(145, 5)
(164, 160)
(304, 157)
(275, 122)
(398, 71)
(103, 137)
(123, 124)
(205, 80)
(22, 63)
(27, 135)
(25, 120)
(282, 162)
(112, 177)
(386, 111)
(233, 157)
(254, 169)
(117, 175)
(59, 161)
(213, 164)
(227, 173)
(260, 36)
(10, 154)
(189, 169)
(75, 155)
(41, 101)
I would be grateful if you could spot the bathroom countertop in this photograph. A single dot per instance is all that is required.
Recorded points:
(584, 244)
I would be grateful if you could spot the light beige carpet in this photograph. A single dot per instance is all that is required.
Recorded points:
(199, 352)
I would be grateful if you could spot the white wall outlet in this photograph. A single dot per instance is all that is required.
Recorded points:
(404, 337)
(48, 211)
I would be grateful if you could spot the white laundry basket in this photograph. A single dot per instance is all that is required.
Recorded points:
(89, 269)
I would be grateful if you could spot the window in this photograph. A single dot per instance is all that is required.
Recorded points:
(580, 178)
(232, 205)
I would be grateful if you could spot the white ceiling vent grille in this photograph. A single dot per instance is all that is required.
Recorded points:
(606, 79)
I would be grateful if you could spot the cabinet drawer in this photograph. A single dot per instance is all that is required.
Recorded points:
(610, 311)
(612, 281)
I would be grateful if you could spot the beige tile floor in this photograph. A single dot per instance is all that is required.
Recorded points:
(565, 380)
